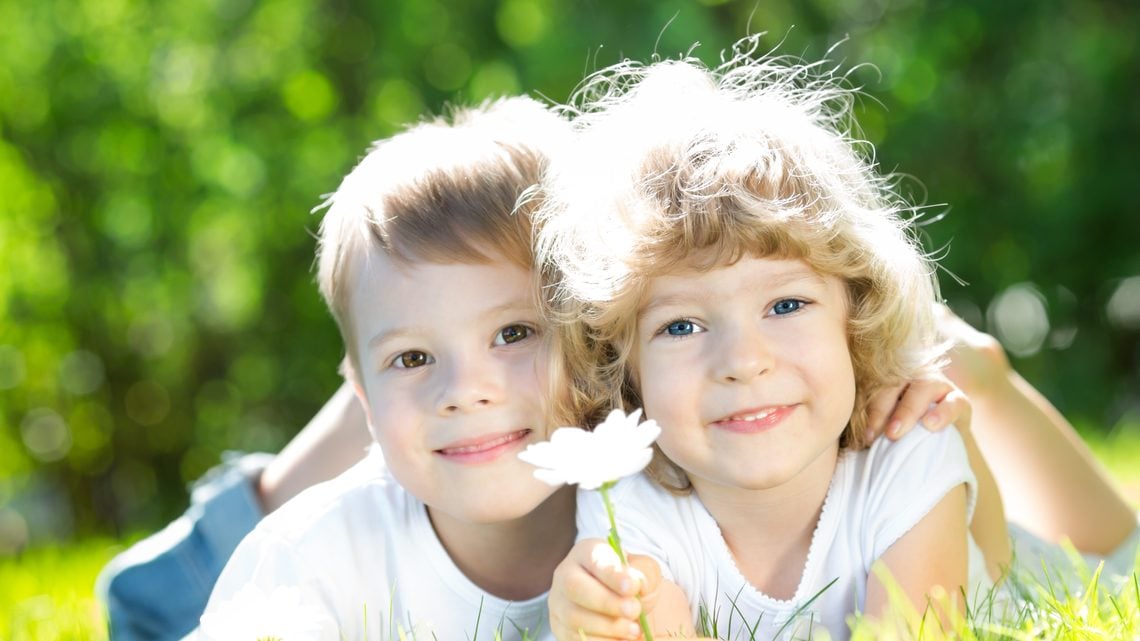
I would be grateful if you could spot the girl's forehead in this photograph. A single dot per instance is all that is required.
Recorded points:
(746, 272)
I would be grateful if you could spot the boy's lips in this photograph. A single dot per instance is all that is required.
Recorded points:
(754, 420)
(483, 448)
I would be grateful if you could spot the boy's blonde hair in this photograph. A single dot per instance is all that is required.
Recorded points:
(678, 166)
(443, 191)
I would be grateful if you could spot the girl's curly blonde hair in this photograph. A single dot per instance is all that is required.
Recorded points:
(678, 166)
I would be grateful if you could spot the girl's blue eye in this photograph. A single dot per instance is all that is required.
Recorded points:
(787, 306)
(412, 359)
(512, 334)
(680, 328)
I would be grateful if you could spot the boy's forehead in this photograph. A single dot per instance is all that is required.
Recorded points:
(385, 288)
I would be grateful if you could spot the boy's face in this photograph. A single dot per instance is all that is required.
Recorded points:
(454, 372)
(747, 370)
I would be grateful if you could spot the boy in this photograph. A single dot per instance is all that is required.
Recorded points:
(426, 265)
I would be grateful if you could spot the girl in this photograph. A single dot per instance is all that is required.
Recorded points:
(747, 276)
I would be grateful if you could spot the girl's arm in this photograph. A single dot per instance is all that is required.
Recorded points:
(988, 527)
(932, 553)
(1051, 483)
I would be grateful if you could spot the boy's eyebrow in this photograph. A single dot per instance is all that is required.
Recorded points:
(519, 305)
(390, 334)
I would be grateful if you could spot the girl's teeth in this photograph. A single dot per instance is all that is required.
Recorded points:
(753, 417)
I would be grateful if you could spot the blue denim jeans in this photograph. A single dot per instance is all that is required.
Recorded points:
(157, 589)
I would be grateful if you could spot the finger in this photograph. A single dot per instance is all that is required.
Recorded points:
(582, 623)
(646, 570)
(583, 590)
(605, 566)
(915, 403)
(954, 408)
(879, 409)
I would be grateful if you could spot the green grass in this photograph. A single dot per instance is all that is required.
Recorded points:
(46, 594)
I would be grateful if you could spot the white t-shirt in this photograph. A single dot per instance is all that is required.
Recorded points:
(363, 562)
(876, 496)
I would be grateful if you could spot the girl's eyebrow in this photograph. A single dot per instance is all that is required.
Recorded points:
(779, 279)
(664, 301)
(796, 275)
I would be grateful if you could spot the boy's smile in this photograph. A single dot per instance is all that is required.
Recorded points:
(747, 370)
(453, 368)
(482, 449)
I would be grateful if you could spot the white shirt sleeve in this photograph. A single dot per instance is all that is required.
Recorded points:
(905, 479)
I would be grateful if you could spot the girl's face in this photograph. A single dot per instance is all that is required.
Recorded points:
(747, 370)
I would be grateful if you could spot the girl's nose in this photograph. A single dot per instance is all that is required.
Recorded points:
(742, 355)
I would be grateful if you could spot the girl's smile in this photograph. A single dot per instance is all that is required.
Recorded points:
(751, 421)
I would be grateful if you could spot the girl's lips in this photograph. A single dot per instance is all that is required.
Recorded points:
(754, 420)
(483, 448)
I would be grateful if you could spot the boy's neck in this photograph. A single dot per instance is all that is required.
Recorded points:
(769, 532)
(515, 559)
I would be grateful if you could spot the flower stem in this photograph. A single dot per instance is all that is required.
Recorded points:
(615, 543)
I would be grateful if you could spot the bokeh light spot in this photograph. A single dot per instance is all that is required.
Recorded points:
(425, 22)
(81, 372)
(492, 80)
(13, 531)
(1018, 318)
(447, 66)
(309, 96)
(397, 102)
(1123, 307)
(147, 402)
(150, 335)
(45, 434)
(126, 218)
(521, 22)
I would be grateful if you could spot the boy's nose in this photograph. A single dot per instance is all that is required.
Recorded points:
(471, 386)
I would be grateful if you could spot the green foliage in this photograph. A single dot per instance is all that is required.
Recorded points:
(159, 161)
(46, 593)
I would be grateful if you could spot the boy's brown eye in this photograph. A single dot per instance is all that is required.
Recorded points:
(409, 360)
(512, 334)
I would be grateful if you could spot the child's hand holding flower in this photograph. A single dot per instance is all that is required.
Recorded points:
(596, 460)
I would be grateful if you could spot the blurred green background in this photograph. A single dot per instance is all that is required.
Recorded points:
(158, 161)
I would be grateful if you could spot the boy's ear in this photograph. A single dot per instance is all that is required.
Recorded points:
(362, 398)
(349, 374)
